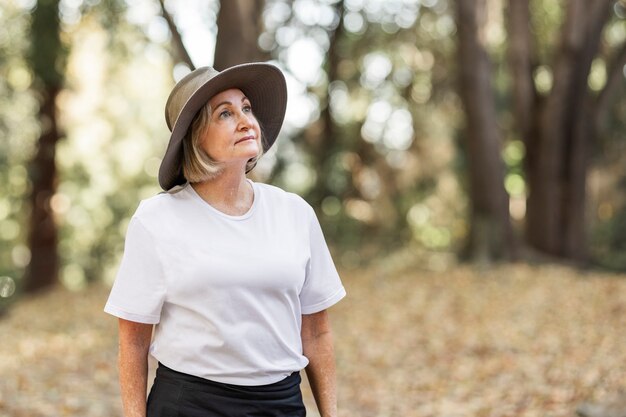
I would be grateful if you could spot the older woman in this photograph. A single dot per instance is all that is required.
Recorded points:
(234, 276)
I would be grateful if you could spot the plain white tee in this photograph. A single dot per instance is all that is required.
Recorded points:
(227, 292)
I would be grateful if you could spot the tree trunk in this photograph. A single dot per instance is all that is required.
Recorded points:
(239, 24)
(521, 57)
(575, 233)
(46, 60)
(42, 240)
(556, 203)
(490, 231)
(322, 144)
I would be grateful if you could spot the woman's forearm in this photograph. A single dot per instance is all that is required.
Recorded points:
(317, 343)
(321, 375)
(133, 367)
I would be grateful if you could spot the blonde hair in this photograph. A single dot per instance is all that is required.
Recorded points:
(198, 166)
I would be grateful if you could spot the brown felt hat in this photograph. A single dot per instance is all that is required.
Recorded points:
(263, 84)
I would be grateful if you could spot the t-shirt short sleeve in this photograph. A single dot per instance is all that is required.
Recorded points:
(139, 288)
(322, 286)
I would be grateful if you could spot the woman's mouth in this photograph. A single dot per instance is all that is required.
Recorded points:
(245, 138)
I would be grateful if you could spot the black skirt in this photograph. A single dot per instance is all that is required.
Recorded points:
(175, 394)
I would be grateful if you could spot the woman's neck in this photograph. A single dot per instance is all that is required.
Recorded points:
(229, 192)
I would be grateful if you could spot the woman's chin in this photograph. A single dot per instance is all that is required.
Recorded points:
(251, 149)
(241, 158)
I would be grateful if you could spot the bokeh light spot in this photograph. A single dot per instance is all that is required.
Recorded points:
(331, 206)
(7, 287)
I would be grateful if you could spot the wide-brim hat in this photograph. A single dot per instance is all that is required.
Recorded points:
(263, 84)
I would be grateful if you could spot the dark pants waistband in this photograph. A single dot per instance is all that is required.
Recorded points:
(178, 394)
(202, 384)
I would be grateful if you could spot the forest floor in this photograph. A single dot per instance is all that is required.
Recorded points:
(513, 340)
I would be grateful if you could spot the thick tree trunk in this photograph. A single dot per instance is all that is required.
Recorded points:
(575, 233)
(47, 61)
(574, 238)
(521, 57)
(521, 64)
(239, 24)
(545, 202)
(43, 269)
(490, 234)
(556, 204)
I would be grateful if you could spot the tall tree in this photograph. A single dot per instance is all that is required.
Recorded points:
(47, 60)
(323, 145)
(559, 127)
(239, 24)
(490, 229)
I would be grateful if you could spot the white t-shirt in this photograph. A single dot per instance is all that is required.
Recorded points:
(227, 292)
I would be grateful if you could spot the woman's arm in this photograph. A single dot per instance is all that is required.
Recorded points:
(317, 346)
(134, 343)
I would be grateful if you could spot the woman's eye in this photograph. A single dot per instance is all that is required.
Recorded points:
(247, 108)
(225, 113)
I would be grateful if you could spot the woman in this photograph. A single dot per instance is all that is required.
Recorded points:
(234, 276)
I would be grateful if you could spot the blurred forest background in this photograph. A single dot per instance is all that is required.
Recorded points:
(473, 129)
(425, 133)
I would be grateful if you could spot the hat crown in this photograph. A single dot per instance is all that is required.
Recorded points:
(184, 90)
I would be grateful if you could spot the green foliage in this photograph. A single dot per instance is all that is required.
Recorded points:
(18, 132)
(609, 249)
(393, 111)
(546, 19)
(110, 159)
(609, 219)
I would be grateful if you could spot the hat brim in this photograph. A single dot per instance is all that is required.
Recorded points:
(265, 87)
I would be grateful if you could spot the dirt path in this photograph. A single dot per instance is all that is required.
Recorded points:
(509, 341)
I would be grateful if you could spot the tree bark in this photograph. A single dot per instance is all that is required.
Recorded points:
(520, 56)
(43, 269)
(46, 60)
(556, 204)
(575, 233)
(490, 231)
(239, 24)
(526, 100)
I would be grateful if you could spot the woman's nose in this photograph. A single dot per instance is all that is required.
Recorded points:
(245, 120)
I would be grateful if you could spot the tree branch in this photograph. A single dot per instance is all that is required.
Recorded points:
(177, 39)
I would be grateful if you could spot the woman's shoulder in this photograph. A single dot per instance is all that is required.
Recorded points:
(161, 205)
(276, 195)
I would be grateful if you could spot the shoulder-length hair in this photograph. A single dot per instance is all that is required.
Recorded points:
(198, 166)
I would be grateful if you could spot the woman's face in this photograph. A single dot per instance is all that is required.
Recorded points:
(233, 134)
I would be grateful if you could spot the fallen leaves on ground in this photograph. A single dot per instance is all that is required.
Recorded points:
(513, 340)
